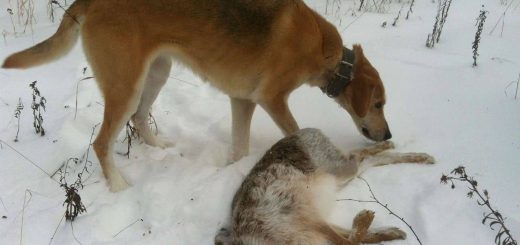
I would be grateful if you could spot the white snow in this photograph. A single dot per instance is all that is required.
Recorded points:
(437, 103)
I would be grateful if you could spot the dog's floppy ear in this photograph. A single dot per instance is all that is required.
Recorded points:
(362, 89)
(360, 55)
(361, 96)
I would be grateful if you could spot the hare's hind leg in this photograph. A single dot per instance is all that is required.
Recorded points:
(361, 234)
(386, 158)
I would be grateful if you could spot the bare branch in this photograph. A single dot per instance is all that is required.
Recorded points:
(128, 226)
(385, 206)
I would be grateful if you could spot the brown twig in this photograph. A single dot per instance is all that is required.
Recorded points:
(3, 205)
(74, 235)
(410, 10)
(18, 115)
(517, 86)
(128, 226)
(26, 202)
(385, 206)
(131, 133)
(66, 11)
(38, 103)
(29, 160)
(77, 89)
(502, 18)
(56, 230)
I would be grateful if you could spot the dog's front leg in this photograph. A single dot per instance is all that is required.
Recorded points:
(241, 113)
(279, 111)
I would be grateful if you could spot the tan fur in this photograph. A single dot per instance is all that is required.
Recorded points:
(257, 52)
(280, 201)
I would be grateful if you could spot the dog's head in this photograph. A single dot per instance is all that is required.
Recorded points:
(356, 86)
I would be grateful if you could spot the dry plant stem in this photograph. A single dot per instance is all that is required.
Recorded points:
(430, 42)
(502, 18)
(128, 226)
(26, 14)
(18, 115)
(10, 12)
(131, 133)
(517, 83)
(38, 103)
(355, 20)
(445, 10)
(74, 234)
(50, 11)
(481, 19)
(66, 11)
(361, 5)
(56, 230)
(77, 90)
(410, 10)
(26, 201)
(440, 19)
(494, 217)
(87, 153)
(88, 150)
(385, 206)
(29, 160)
(3, 205)
(153, 123)
(397, 17)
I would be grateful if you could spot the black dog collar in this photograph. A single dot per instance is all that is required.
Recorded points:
(343, 77)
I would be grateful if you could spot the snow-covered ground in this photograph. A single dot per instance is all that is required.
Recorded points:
(437, 103)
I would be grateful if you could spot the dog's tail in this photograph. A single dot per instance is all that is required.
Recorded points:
(57, 45)
(223, 237)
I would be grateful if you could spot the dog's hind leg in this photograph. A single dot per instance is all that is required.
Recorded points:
(119, 71)
(121, 87)
(242, 113)
(155, 80)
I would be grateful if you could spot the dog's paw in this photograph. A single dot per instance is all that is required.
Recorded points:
(157, 141)
(117, 183)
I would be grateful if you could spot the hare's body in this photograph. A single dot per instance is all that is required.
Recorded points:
(287, 195)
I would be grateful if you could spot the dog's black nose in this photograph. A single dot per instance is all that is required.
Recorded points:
(388, 135)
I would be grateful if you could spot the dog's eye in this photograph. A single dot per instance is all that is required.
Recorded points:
(379, 105)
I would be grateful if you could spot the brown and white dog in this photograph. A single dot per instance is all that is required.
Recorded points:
(255, 51)
(287, 196)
